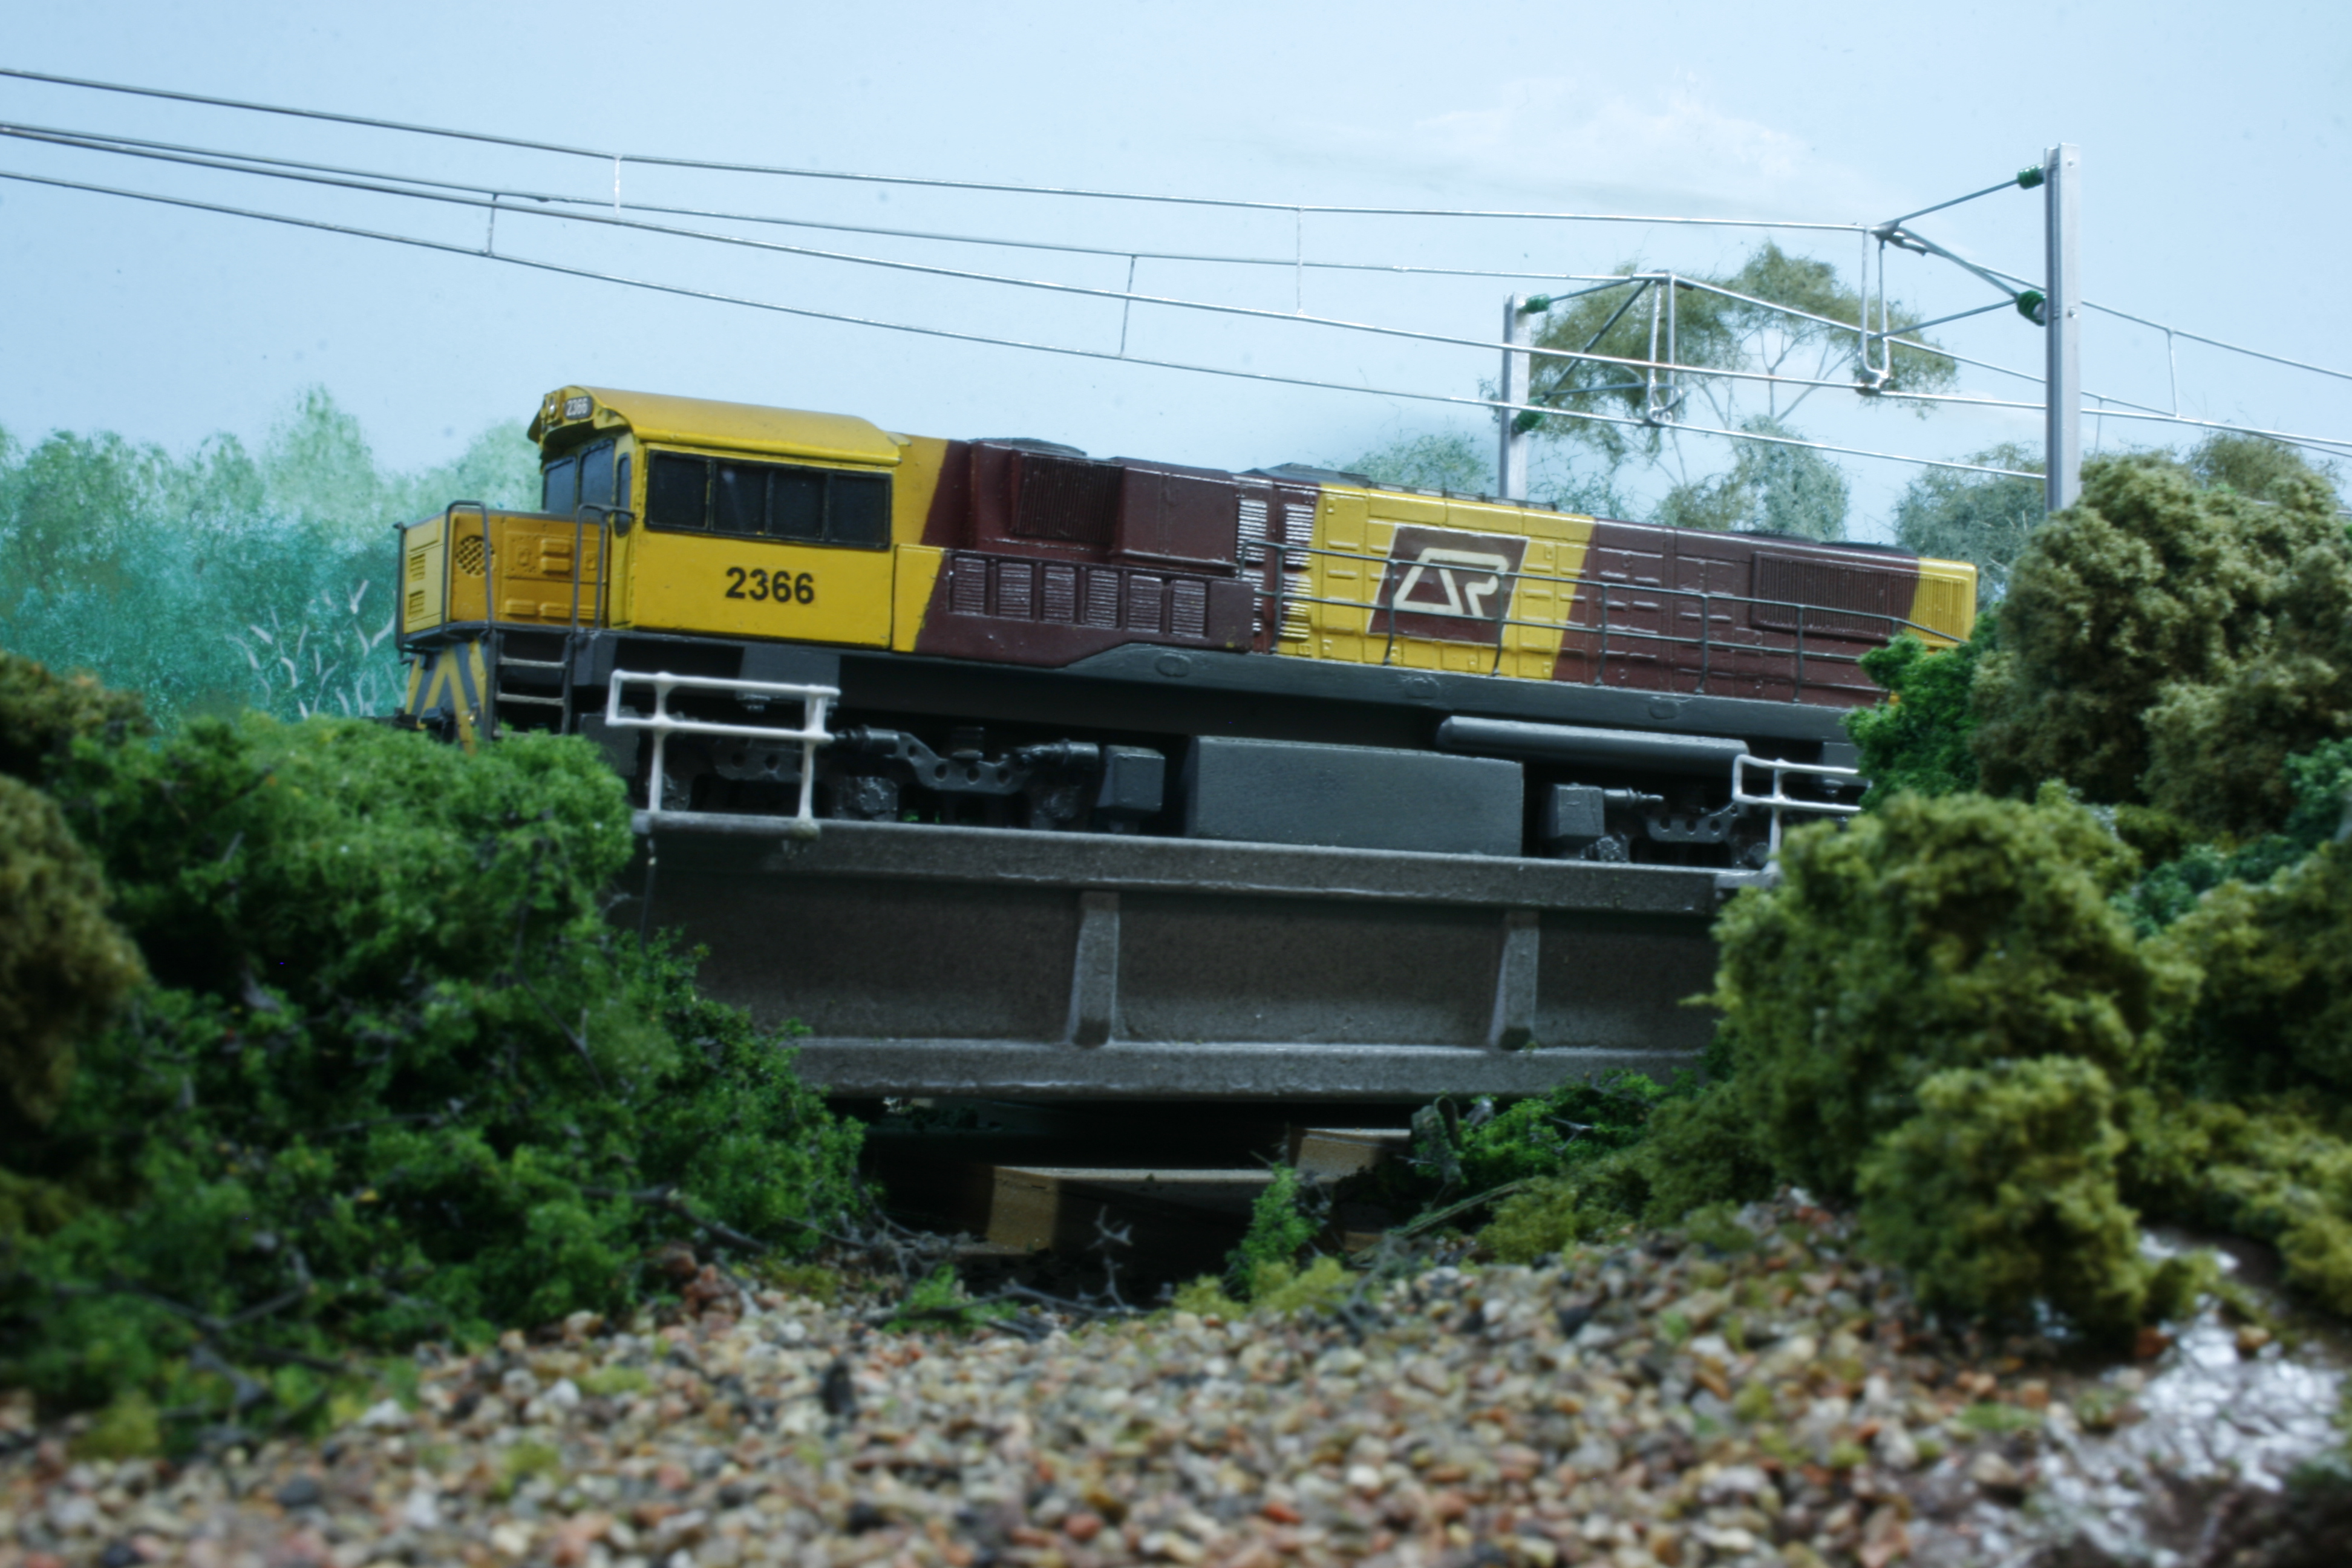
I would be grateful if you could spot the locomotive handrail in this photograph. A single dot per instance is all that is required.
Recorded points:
(811, 734)
(1598, 589)
(1779, 800)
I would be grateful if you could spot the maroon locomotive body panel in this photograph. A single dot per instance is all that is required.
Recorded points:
(1723, 614)
(1052, 557)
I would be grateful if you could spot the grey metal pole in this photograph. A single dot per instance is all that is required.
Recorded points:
(2063, 440)
(1511, 452)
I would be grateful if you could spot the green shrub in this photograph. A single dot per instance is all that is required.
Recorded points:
(41, 714)
(2278, 1169)
(1929, 935)
(400, 1077)
(939, 1300)
(1917, 739)
(2272, 1005)
(2001, 1191)
(1555, 1213)
(64, 966)
(1703, 1149)
(1281, 1225)
(1573, 1125)
(2171, 641)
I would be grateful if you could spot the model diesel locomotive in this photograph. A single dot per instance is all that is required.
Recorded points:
(1022, 636)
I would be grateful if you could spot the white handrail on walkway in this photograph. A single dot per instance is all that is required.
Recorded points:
(1779, 801)
(811, 734)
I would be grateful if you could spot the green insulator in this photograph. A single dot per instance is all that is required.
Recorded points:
(1528, 420)
(2029, 178)
(1536, 304)
(2033, 305)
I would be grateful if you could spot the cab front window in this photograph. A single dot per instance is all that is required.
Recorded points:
(583, 477)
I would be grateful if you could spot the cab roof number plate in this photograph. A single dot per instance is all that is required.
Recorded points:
(577, 407)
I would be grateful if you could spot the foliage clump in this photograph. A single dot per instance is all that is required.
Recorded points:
(2278, 1169)
(1930, 935)
(1284, 1220)
(1918, 739)
(41, 715)
(64, 966)
(2170, 642)
(398, 1077)
(2001, 1190)
(2272, 1008)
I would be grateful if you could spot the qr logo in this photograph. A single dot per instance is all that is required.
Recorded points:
(1452, 587)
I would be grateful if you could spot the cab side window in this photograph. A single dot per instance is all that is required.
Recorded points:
(768, 500)
(677, 493)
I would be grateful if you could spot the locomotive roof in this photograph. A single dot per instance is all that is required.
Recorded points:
(703, 422)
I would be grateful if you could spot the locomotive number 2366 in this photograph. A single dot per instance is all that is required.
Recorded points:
(782, 587)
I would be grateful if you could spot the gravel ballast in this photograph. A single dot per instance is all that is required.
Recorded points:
(1666, 1402)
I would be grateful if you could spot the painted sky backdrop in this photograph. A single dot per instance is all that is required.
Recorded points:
(2214, 156)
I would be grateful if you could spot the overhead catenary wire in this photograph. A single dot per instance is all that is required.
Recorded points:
(654, 159)
(2198, 337)
(237, 162)
(464, 197)
(952, 334)
(233, 162)
(103, 141)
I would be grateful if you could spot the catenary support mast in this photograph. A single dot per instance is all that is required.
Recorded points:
(2062, 442)
(1511, 455)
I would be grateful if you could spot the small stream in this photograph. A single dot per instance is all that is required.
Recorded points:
(2204, 1455)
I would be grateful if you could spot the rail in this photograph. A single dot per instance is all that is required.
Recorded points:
(811, 734)
(1779, 800)
(1802, 642)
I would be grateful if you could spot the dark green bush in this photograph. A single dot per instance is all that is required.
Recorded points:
(2001, 1191)
(64, 966)
(2273, 1006)
(1929, 935)
(41, 714)
(2170, 640)
(399, 1078)
(1917, 739)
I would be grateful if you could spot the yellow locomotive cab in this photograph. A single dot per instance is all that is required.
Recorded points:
(673, 513)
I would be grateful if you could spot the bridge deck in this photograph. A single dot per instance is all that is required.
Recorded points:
(976, 962)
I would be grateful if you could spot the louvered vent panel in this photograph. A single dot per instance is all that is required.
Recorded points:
(1188, 607)
(970, 592)
(1826, 588)
(1144, 594)
(1067, 499)
(1015, 582)
(1102, 597)
(1253, 530)
(1061, 593)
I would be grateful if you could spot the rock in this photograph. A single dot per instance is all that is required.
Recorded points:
(1896, 1448)
(1997, 1476)
(301, 1491)
(385, 1415)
